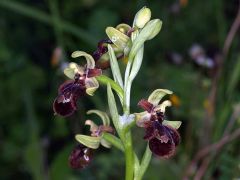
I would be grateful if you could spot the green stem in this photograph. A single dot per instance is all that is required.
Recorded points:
(116, 142)
(144, 164)
(45, 18)
(129, 157)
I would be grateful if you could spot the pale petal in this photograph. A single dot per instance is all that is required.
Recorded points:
(162, 107)
(93, 126)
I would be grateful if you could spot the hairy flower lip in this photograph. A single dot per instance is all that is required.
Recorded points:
(80, 157)
(163, 142)
(68, 93)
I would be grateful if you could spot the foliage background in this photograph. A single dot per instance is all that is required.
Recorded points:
(35, 144)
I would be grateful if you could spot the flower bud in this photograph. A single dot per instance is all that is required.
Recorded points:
(142, 17)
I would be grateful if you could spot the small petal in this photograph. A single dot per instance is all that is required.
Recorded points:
(93, 126)
(80, 157)
(94, 72)
(73, 69)
(162, 107)
(146, 105)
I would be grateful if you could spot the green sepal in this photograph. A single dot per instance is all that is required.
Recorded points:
(89, 141)
(118, 38)
(156, 96)
(113, 109)
(89, 58)
(104, 117)
(115, 67)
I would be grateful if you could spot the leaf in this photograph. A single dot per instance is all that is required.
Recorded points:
(174, 124)
(137, 63)
(115, 67)
(104, 117)
(89, 141)
(113, 109)
(156, 96)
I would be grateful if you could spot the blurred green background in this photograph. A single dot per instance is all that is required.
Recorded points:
(36, 40)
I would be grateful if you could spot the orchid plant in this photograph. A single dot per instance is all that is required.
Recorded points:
(124, 42)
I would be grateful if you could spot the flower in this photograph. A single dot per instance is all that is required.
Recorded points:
(82, 82)
(96, 139)
(161, 134)
(80, 157)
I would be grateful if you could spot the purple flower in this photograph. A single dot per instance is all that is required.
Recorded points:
(163, 138)
(82, 82)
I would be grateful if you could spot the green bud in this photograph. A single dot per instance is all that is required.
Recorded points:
(154, 26)
(142, 17)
